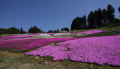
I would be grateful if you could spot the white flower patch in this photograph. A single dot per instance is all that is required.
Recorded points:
(47, 35)
(57, 34)
(80, 34)
(43, 36)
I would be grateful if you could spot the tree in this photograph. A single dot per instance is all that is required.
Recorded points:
(54, 31)
(104, 17)
(95, 18)
(84, 22)
(100, 18)
(99, 12)
(3, 31)
(34, 29)
(12, 30)
(116, 22)
(21, 31)
(50, 31)
(78, 23)
(65, 29)
(57, 30)
(75, 23)
(110, 13)
(119, 9)
(91, 21)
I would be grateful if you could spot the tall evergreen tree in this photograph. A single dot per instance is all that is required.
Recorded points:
(12, 30)
(57, 31)
(75, 23)
(99, 18)
(50, 31)
(21, 31)
(96, 19)
(84, 22)
(3, 31)
(65, 29)
(119, 9)
(110, 13)
(104, 17)
(34, 29)
(78, 23)
(91, 21)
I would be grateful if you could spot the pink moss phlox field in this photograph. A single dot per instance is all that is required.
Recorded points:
(63, 33)
(15, 37)
(57, 52)
(27, 44)
(42, 33)
(57, 39)
(100, 50)
(91, 32)
(15, 44)
(42, 42)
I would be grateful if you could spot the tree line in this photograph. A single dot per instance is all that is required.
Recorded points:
(12, 30)
(33, 29)
(97, 18)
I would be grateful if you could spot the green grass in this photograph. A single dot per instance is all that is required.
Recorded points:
(2, 35)
(100, 34)
(110, 28)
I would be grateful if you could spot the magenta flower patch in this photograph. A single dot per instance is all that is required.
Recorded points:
(27, 44)
(15, 37)
(100, 50)
(58, 52)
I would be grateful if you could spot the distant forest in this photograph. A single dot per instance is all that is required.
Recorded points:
(95, 19)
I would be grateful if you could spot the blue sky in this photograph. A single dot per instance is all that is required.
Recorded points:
(48, 14)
